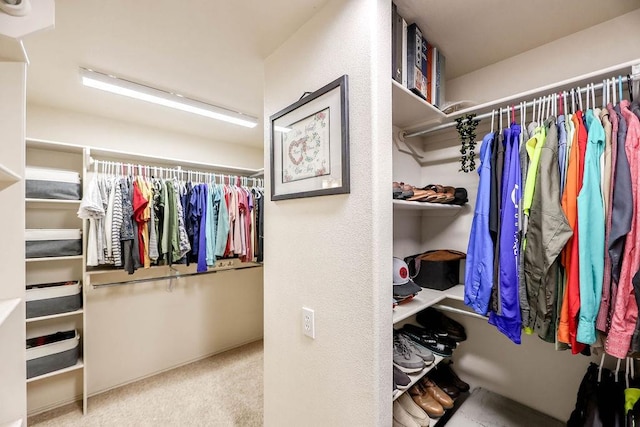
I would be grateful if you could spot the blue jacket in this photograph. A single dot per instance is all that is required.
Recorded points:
(508, 320)
(479, 265)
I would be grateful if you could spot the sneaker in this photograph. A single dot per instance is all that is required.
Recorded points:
(433, 319)
(428, 332)
(420, 350)
(414, 410)
(400, 379)
(402, 417)
(429, 341)
(405, 359)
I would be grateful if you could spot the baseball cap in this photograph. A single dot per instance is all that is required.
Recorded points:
(403, 286)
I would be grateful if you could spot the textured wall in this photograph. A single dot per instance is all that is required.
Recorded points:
(600, 46)
(333, 253)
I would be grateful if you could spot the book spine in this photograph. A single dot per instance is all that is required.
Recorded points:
(434, 75)
(397, 47)
(394, 22)
(441, 76)
(414, 60)
(424, 69)
(430, 82)
(404, 53)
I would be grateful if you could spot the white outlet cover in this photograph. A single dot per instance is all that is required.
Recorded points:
(308, 322)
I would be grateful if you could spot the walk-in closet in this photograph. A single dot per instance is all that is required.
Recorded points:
(198, 227)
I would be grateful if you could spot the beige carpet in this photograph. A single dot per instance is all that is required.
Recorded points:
(222, 390)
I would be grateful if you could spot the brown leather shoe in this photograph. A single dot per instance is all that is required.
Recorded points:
(438, 394)
(426, 401)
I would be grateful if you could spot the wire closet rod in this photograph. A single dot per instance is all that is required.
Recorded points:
(170, 277)
(520, 105)
(110, 167)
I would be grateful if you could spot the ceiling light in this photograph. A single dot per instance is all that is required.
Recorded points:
(119, 86)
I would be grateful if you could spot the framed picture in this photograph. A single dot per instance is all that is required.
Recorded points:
(310, 145)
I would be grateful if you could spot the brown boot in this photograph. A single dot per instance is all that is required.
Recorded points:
(426, 401)
(438, 394)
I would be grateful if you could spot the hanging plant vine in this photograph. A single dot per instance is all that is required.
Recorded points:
(466, 127)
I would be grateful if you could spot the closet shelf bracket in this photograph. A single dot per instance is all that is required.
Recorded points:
(399, 138)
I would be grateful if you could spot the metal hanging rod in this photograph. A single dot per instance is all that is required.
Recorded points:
(536, 101)
(124, 168)
(459, 311)
(170, 277)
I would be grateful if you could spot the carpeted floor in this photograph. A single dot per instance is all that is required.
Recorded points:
(222, 390)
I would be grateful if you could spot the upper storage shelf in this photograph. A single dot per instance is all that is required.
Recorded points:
(409, 110)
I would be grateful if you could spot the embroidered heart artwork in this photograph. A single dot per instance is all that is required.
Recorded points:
(297, 150)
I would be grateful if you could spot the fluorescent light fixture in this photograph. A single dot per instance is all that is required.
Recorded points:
(119, 86)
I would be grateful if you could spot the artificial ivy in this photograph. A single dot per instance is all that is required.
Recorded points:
(466, 127)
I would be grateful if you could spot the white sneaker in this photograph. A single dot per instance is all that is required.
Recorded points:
(402, 417)
(414, 410)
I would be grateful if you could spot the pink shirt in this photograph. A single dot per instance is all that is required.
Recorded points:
(625, 312)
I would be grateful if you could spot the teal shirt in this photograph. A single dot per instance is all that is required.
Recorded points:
(210, 231)
(591, 233)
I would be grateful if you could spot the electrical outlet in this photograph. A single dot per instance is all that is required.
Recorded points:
(308, 323)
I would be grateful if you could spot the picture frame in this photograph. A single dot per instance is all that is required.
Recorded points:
(310, 144)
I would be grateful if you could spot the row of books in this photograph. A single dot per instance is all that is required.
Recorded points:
(416, 64)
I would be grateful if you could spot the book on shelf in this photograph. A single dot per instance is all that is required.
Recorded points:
(416, 81)
(440, 68)
(428, 51)
(397, 64)
(404, 53)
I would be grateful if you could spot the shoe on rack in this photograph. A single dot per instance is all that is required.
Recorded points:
(414, 410)
(429, 341)
(402, 417)
(405, 359)
(420, 350)
(447, 371)
(431, 318)
(438, 394)
(400, 379)
(426, 401)
(444, 381)
(442, 338)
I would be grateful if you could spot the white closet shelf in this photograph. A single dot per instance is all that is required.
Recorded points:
(418, 376)
(16, 423)
(54, 316)
(425, 206)
(426, 298)
(7, 177)
(6, 308)
(79, 365)
(54, 258)
(411, 110)
(52, 203)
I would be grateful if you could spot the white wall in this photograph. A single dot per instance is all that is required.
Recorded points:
(137, 330)
(604, 45)
(83, 129)
(12, 335)
(333, 253)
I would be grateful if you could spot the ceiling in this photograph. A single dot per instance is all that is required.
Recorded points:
(213, 51)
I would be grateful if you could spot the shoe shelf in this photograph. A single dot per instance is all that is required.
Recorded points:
(79, 365)
(418, 376)
(427, 206)
(410, 110)
(426, 298)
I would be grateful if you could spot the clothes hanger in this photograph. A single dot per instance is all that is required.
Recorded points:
(629, 87)
(600, 367)
(593, 96)
(620, 88)
(613, 91)
(617, 369)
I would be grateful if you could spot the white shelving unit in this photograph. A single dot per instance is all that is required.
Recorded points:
(410, 110)
(426, 206)
(55, 213)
